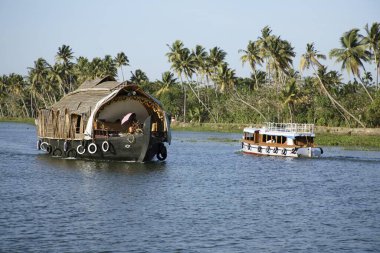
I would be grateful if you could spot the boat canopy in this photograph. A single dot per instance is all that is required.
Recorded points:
(289, 130)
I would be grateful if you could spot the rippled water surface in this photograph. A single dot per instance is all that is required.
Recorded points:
(206, 197)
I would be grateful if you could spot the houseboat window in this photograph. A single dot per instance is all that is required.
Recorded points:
(248, 136)
(77, 125)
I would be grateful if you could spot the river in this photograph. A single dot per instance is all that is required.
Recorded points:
(206, 197)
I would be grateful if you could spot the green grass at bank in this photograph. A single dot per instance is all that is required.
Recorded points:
(359, 141)
(18, 120)
(209, 127)
(365, 142)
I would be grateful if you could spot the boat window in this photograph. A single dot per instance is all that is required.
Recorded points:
(77, 125)
(248, 136)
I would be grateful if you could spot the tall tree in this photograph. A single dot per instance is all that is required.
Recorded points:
(372, 40)
(108, 67)
(252, 56)
(310, 59)
(265, 41)
(174, 56)
(121, 60)
(37, 76)
(64, 57)
(352, 54)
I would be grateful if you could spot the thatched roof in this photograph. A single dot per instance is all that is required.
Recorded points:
(84, 99)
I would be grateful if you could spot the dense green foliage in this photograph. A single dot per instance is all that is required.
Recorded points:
(203, 88)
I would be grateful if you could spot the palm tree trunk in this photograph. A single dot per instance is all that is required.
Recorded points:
(1, 111)
(290, 112)
(334, 101)
(201, 102)
(377, 72)
(238, 97)
(184, 100)
(31, 104)
(122, 74)
(362, 83)
(24, 105)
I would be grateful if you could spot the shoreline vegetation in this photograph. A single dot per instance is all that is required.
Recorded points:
(201, 86)
(349, 138)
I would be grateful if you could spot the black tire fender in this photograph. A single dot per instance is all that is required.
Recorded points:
(72, 153)
(57, 150)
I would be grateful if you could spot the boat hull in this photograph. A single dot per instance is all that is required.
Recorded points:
(253, 149)
(135, 148)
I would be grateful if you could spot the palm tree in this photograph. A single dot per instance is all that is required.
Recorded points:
(200, 56)
(37, 76)
(17, 89)
(121, 60)
(264, 43)
(82, 69)
(290, 95)
(139, 77)
(225, 78)
(310, 59)
(174, 57)
(253, 57)
(108, 67)
(95, 68)
(352, 54)
(63, 56)
(55, 76)
(167, 81)
(372, 40)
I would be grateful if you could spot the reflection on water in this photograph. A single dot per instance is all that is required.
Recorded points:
(101, 166)
(206, 197)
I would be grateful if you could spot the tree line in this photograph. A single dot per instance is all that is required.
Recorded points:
(201, 86)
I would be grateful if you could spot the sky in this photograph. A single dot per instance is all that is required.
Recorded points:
(143, 29)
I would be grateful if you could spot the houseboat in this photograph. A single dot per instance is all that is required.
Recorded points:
(105, 119)
(281, 139)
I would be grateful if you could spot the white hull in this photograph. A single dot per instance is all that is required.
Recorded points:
(281, 151)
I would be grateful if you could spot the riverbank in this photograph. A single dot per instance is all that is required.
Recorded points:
(18, 120)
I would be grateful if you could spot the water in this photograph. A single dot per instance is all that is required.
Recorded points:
(206, 197)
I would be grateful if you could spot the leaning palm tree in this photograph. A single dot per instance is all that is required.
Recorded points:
(372, 40)
(166, 82)
(310, 59)
(253, 57)
(352, 54)
(121, 60)
(188, 64)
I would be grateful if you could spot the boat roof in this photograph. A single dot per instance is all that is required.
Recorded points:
(289, 130)
(84, 99)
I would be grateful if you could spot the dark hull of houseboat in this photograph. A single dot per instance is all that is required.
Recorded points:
(136, 149)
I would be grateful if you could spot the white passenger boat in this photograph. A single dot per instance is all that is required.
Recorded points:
(281, 139)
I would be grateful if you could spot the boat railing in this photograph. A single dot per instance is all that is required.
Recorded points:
(290, 127)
